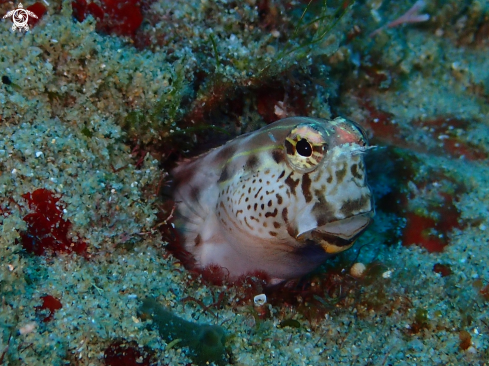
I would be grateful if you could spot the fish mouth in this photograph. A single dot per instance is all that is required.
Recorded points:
(340, 235)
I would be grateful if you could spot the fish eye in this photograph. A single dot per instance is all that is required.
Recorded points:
(304, 148)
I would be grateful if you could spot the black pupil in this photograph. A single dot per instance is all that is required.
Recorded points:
(304, 148)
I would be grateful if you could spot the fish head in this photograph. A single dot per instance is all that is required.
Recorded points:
(280, 200)
(332, 202)
(297, 193)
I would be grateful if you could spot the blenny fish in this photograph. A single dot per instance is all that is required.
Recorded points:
(280, 200)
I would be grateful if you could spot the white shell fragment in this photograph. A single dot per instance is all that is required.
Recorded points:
(358, 270)
(387, 274)
(28, 328)
(260, 299)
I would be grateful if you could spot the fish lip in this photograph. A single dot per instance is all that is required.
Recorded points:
(339, 235)
(346, 228)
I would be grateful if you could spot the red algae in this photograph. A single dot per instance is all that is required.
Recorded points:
(96, 11)
(46, 229)
(443, 269)
(39, 9)
(432, 233)
(214, 274)
(419, 231)
(485, 292)
(429, 233)
(380, 123)
(113, 17)
(276, 101)
(376, 75)
(52, 304)
(121, 353)
(266, 101)
(465, 339)
(421, 321)
(124, 17)
(79, 8)
(442, 129)
(445, 129)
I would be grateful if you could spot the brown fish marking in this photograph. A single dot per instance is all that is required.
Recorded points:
(306, 187)
(292, 183)
(322, 210)
(355, 205)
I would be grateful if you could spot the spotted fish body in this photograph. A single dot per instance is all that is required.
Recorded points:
(281, 200)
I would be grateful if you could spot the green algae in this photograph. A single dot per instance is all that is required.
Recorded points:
(289, 322)
(220, 64)
(205, 342)
(314, 31)
(158, 120)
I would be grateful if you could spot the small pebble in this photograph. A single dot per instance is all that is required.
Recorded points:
(358, 270)
(387, 274)
(28, 328)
